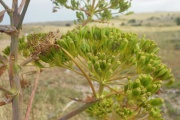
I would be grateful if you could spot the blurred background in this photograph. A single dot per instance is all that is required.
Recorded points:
(159, 20)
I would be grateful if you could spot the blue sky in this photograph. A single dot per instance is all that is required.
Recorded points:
(41, 10)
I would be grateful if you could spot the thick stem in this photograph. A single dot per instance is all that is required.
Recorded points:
(21, 6)
(86, 22)
(4, 5)
(14, 78)
(18, 26)
(13, 69)
(15, 12)
(7, 29)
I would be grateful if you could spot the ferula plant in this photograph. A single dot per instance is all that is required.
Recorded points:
(126, 68)
(123, 71)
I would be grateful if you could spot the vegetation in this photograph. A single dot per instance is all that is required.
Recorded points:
(126, 67)
(178, 21)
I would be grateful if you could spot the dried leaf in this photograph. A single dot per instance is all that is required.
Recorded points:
(24, 83)
(2, 103)
(89, 99)
(2, 15)
(8, 98)
(3, 59)
(3, 64)
(2, 69)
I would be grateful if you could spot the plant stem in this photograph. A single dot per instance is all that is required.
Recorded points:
(93, 4)
(21, 6)
(6, 91)
(13, 69)
(22, 15)
(15, 15)
(7, 29)
(86, 22)
(78, 110)
(15, 21)
(101, 88)
(87, 105)
(111, 88)
(87, 77)
(27, 61)
(14, 78)
(32, 96)
(4, 5)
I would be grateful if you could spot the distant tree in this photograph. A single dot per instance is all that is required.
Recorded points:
(132, 21)
(178, 21)
(122, 24)
(68, 24)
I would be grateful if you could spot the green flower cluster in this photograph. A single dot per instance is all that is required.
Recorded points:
(101, 109)
(124, 113)
(139, 93)
(110, 108)
(150, 63)
(109, 51)
(106, 55)
(106, 50)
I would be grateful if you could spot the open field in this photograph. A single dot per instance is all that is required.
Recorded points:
(57, 84)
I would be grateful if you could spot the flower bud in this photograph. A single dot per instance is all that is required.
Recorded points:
(161, 72)
(156, 101)
(123, 44)
(63, 44)
(136, 92)
(136, 84)
(151, 88)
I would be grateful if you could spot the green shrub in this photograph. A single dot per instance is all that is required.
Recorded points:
(178, 21)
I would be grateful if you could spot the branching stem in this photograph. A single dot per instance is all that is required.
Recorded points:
(27, 61)
(6, 91)
(7, 29)
(78, 110)
(32, 96)
(86, 106)
(4, 5)
(21, 6)
(87, 77)
(22, 15)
